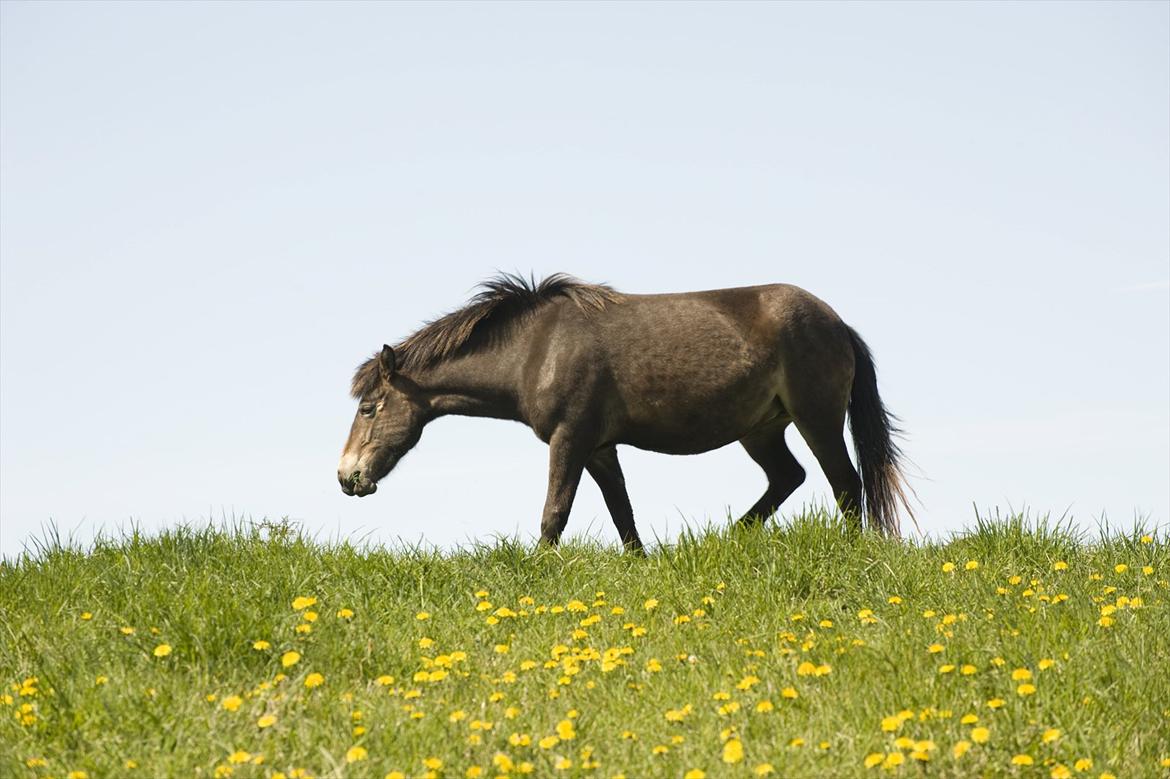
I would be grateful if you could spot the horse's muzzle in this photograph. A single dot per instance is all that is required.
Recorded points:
(356, 484)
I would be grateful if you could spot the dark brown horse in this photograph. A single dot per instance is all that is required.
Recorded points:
(588, 368)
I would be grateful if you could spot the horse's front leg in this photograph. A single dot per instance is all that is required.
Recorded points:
(567, 455)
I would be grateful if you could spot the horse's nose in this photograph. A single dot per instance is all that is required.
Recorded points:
(347, 480)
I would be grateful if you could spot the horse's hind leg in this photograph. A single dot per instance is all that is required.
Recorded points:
(824, 435)
(768, 448)
(605, 469)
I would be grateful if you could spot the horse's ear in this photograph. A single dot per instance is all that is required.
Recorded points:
(386, 363)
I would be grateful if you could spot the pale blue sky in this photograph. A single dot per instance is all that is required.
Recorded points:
(210, 213)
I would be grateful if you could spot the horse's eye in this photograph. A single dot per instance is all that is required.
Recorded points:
(366, 409)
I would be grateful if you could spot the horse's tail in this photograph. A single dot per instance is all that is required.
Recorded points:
(879, 459)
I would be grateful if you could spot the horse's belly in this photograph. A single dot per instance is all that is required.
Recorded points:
(674, 425)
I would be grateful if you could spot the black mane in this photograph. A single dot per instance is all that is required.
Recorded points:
(500, 302)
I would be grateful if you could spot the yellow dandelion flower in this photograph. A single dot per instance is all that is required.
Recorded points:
(162, 650)
(874, 759)
(1060, 771)
(267, 721)
(765, 706)
(1021, 674)
(732, 751)
(971, 565)
(980, 735)
(891, 724)
(1025, 689)
(261, 645)
(239, 757)
(946, 669)
(1120, 568)
(1060, 565)
(395, 775)
(356, 754)
(548, 742)
(77, 775)
(345, 613)
(695, 773)
(1083, 764)
(934, 649)
(1022, 760)
(894, 600)
(948, 566)
(789, 693)
(893, 760)
(764, 769)
(960, 748)
(314, 680)
(232, 702)
(301, 603)
(1050, 735)
(87, 615)
(995, 703)
(290, 658)
(422, 615)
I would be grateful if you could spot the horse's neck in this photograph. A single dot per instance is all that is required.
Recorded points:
(479, 384)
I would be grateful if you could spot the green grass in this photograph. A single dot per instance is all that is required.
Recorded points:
(759, 602)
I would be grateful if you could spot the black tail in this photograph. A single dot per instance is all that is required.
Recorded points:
(879, 459)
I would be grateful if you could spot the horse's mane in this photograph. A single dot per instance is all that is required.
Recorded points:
(500, 302)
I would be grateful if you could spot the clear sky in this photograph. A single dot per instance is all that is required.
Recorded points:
(210, 213)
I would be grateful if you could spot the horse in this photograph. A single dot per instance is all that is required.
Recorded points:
(588, 368)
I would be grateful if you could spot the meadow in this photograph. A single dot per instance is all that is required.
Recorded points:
(1015, 649)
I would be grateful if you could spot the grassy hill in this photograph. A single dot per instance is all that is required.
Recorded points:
(794, 651)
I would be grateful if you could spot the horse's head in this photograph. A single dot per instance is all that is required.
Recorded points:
(389, 421)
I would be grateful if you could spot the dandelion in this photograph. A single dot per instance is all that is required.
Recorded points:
(995, 703)
(893, 760)
(960, 748)
(1120, 568)
(422, 615)
(1060, 565)
(948, 566)
(968, 670)
(301, 603)
(894, 600)
(765, 706)
(239, 757)
(732, 751)
(1022, 760)
(261, 645)
(266, 721)
(87, 615)
(314, 680)
(232, 702)
(1021, 674)
(345, 613)
(980, 735)
(548, 742)
(356, 754)
(1025, 690)
(162, 650)
(650, 604)
(874, 759)
(789, 693)
(290, 658)
(1083, 764)
(764, 769)
(971, 565)
(1146, 539)
(695, 773)
(946, 669)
